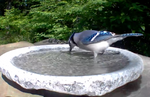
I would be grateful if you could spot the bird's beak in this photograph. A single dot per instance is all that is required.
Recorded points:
(70, 49)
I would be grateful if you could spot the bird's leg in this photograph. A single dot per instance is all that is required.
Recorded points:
(71, 47)
(102, 52)
(95, 54)
(95, 61)
(70, 50)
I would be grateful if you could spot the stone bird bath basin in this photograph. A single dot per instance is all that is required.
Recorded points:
(51, 67)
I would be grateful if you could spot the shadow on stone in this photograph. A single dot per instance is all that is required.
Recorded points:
(15, 85)
(42, 92)
(123, 91)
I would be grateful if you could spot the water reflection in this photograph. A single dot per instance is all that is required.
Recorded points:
(65, 64)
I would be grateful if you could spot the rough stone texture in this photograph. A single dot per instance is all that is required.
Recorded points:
(137, 88)
(9, 88)
(77, 85)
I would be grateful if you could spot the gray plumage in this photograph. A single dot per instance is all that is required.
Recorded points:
(96, 41)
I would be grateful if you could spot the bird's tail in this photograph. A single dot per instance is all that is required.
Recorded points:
(131, 34)
(122, 36)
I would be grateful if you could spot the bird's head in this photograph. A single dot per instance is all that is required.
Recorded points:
(71, 42)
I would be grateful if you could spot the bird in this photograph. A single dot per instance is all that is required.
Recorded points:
(96, 41)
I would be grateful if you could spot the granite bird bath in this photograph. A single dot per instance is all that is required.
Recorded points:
(51, 67)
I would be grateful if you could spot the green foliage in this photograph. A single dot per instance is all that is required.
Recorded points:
(13, 26)
(36, 20)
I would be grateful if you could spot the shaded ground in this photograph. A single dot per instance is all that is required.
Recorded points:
(138, 88)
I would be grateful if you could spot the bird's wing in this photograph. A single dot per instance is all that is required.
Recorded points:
(97, 37)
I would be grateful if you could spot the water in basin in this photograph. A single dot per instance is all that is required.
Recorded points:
(61, 63)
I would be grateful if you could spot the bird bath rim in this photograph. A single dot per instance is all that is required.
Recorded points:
(92, 85)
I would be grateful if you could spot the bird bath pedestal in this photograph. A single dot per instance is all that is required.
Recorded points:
(51, 67)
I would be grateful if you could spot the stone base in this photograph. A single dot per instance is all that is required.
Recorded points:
(137, 88)
(91, 85)
(9, 88)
